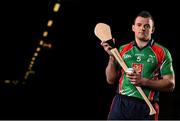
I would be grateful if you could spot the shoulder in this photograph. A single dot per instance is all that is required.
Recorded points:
(158, 47)
(126, 46)
(161, 50)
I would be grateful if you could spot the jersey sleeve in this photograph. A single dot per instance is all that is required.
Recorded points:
(167, 66)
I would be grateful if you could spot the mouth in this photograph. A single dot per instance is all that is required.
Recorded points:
(142, 33)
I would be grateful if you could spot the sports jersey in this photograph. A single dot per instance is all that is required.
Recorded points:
(151, 61)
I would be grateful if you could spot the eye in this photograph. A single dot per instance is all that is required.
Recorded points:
(139, 24)
(147, 26)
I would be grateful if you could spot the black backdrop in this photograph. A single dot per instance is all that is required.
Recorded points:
(69, 80)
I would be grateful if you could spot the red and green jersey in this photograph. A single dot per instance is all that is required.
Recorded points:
(152, 62)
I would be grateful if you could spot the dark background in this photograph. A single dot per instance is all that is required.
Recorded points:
(69, 79)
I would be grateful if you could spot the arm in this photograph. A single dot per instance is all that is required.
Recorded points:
(167, 83)
(111, 71)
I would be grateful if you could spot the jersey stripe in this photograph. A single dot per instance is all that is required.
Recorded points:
(121, 82)
(126, 48)
(159, 52)
(122, 52)
(160, 55)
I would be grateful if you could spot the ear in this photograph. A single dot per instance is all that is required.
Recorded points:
(153, 29)
(132, 27)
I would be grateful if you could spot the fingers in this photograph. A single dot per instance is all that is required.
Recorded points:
(106, 47)
(134, 78)
(131, 75)
(103, 43)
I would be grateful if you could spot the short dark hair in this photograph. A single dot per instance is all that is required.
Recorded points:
(144, 14)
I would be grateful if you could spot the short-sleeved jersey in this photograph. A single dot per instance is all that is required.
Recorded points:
(152, 61)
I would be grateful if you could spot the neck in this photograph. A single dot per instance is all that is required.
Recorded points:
(141, 43)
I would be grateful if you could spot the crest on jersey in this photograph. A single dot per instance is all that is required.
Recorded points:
(150, 59)
(137, 67)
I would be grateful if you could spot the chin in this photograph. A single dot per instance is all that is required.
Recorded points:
(144, 39)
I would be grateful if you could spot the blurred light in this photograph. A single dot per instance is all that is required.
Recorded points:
(15, 81)
(47, 45)
(25, 77)
(27, 73)
(32, 62)
(33, 58)
(41, 42)
(45, 34)
(50, 22)
(56, 7)
(31, 72)
(29, 68)
(7, 81)
(23, 82)
(35, 54)
(38, 49)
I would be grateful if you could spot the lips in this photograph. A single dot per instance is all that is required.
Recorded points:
(141, 32)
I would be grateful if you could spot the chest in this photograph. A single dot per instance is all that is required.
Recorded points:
(143, 60)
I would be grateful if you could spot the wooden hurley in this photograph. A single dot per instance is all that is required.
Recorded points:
(103, 32)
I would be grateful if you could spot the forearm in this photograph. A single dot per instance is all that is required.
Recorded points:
(111, 72)
(165, 84)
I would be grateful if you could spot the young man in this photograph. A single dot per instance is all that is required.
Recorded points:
(153, 71)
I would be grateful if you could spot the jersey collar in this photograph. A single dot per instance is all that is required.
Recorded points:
(150, 43)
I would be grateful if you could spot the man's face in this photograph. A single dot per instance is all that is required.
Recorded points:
(143, 28)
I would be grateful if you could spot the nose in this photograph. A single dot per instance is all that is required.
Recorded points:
(143, 28)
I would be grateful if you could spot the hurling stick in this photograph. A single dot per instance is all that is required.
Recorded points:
(103, 32)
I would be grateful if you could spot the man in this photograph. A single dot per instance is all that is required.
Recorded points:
(153, 71)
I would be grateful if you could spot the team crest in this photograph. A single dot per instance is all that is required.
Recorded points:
(137, 67)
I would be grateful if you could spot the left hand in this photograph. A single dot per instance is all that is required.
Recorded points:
(135, 78)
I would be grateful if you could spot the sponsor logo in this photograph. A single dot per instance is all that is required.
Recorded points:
(127, 56)
(138, 59)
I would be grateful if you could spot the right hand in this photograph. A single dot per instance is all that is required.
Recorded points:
(107, 47)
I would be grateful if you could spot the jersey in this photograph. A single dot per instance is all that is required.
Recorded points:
(151, 61)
